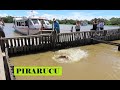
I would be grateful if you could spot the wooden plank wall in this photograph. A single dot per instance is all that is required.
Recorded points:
(35, 43)
(2, 69)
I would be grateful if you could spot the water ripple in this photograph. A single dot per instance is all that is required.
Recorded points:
(69, 55)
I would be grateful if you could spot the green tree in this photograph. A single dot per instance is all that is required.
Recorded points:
(8, 19)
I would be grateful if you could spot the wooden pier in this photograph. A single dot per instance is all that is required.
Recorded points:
(6, 69)
(23, 45)
(37, 43)
(2, 70)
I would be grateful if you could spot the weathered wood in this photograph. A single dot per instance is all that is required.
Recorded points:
(18, 45)
(119, 48)
(32, 46)
(7, 43)
(2, 44)
(39, 46)
(11, 46)
(2, 70)
(8, 70)
(22, 45)
(26, 46)
(15, 50)
(106, 42)
(31, 43)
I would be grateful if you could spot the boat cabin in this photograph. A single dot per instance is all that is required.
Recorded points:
(32, 23)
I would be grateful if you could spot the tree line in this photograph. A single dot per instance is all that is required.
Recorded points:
(111, 21)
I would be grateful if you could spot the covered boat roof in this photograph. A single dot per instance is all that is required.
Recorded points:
(42, 18)
(26, 18)
(20, 18)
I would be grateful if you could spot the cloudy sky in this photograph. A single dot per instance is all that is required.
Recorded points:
(64, 14)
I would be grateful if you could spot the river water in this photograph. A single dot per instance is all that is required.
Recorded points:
(91, 62)
(9, 31)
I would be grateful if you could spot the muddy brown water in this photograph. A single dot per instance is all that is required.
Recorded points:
(102, 62)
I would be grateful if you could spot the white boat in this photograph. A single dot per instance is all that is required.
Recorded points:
(32, 25)
(84, 23)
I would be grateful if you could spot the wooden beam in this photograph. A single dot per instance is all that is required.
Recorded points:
(106, 42)
(2, 70)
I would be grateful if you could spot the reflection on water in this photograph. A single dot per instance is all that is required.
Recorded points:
(102, 62)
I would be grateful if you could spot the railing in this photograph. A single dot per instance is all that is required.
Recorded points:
(6, 69)
(35, 43)
(2, 70)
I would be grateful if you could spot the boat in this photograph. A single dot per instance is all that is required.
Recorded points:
(84, 23)
(32, 25)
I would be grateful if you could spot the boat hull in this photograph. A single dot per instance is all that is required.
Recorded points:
(25, 31)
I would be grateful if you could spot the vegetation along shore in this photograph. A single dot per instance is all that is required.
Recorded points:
(111, 21)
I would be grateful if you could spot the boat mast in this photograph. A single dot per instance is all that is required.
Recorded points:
(32, 13)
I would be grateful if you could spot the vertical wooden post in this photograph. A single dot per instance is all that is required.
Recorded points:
(119, 48)
(105, 32)
(54, 39)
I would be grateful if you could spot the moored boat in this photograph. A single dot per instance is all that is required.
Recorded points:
(32, 25)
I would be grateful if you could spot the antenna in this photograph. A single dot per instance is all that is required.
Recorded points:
(32, 13)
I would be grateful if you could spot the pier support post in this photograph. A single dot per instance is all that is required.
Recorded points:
(54, 39)
(105, 32)
(2, 45)
(119, 48)
(2, 34)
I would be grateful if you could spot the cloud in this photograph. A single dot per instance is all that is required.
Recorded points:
(80, 16)
(51, 16)
(76, 15)
(89, 16)
(3, 15)
(71, 15)
(108, 17)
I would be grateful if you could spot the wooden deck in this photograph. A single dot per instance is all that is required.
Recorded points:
(2, 70)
